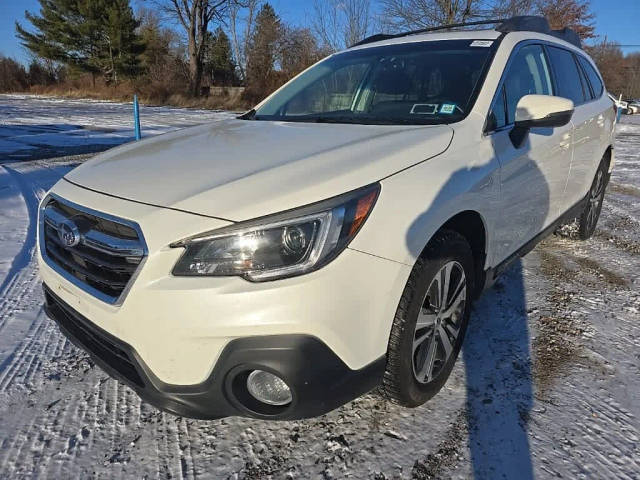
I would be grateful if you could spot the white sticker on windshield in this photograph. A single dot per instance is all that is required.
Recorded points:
(482, 43)
(447, 108)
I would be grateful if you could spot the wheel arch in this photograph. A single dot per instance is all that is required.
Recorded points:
(473, 227)
(608, 156)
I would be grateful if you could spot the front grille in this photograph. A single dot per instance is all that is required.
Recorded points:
(92, 339)
(97, 252)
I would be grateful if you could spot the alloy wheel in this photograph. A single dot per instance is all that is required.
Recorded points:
(439, 321)
(596, 195)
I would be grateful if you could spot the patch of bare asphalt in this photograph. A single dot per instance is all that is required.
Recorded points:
(624, 189)
(553, 266)
(621, 243)
(555, 347)
(621, 223)
(447, 453)
(609, 276)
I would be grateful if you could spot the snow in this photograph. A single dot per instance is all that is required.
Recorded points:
(30, 124)
(547, 385)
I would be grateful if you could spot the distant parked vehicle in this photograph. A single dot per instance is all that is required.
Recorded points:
(633, 107)
(619, 103)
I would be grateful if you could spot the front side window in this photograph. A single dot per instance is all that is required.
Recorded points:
(528, 74)
(498, 114)
(411, 83)
(567, 75)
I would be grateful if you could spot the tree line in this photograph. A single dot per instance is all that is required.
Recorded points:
(189, 46)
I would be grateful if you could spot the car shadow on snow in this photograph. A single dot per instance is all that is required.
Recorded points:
(497, 361)
(496, 350)
(20, 142)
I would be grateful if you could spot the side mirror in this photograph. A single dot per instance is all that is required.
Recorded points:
(539, 111)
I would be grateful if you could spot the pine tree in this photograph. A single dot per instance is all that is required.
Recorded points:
(94, 36)
(218, 59)
(262, 54)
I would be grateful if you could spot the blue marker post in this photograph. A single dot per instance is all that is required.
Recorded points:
(136, 117)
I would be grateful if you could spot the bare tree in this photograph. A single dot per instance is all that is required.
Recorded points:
(242, 13)
(298, 50)
(340, 23)
(195, 16)
(575, 14)
(511, 8)
(415, 14)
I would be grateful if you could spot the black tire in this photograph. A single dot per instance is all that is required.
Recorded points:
(400, 383)
(588, 219)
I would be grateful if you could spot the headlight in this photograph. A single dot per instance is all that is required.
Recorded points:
(282, 245)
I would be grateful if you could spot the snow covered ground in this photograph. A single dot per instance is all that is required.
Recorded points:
(548, 386)
(34, 127)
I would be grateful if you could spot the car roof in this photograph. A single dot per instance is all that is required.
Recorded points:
(486, 34)
(434, 36)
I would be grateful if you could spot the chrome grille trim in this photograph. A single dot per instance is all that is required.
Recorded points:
(115, 261)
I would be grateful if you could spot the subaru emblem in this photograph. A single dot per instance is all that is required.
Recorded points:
(68, 234)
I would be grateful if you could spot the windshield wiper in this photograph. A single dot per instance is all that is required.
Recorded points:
(365, 120)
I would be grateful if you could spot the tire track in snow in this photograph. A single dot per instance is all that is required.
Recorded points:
(13, 288)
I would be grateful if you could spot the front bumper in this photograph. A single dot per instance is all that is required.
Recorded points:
(319, 380)
(181, 335)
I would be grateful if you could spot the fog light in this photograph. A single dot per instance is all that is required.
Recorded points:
(268, 388)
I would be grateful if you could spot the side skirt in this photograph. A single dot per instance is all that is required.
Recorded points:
(493, 273)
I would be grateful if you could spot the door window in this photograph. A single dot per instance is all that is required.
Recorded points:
(498, 114)
(567, 75)
(588, 94)
(528, 74)
(592, 75)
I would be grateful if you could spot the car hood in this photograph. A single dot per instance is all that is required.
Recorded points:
(239, 169)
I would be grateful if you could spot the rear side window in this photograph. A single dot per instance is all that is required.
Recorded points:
(528, 74)
(588, 94)
(567, 76)
(592, 75)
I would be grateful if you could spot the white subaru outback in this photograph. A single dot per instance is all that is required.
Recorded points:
(330, 240)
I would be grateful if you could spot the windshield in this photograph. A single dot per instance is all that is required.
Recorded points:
(412, 83)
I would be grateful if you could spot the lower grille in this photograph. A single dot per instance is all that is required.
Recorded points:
(92, 339)
(98, 252)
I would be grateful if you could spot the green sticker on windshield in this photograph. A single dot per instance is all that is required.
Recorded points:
(447, 108)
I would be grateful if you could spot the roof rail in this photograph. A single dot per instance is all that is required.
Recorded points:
(384, 36)
(568, 35)
(524, 23)
(530, 23)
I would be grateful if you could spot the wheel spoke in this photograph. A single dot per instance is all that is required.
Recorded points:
(444, 340)
(425, 319)
(426, 372)
(458, 297)
(420, 339)
(445, 277)
(452, 328)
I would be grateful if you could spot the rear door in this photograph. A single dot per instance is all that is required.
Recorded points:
(534, 176)
(598, 111)
(587, 121)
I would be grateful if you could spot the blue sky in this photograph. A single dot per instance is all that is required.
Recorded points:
(619, 20)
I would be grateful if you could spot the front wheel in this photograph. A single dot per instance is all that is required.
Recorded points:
(430, 322)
